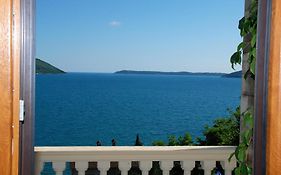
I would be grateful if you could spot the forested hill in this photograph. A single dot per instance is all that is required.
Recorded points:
(43, 67)
(168, 73)
(237, 74)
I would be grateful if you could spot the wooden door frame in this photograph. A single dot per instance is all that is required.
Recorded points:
(9, 85)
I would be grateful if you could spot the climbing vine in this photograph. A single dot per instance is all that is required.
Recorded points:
(241, 151)
(248, 30)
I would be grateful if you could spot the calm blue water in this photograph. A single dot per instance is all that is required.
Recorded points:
(81, 108)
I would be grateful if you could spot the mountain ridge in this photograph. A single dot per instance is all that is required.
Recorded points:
(236, 74)
(42, 67)
(169, 73)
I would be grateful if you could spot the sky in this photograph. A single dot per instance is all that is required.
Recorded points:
(159, 35)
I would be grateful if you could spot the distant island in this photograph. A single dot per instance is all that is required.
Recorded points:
(168, 73)
(237, 74)
(43, 67)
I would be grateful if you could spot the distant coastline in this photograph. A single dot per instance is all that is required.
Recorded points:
(43, 67)
(237, 74)
(168, 73)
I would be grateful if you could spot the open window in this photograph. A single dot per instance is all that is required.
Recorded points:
(266, 86)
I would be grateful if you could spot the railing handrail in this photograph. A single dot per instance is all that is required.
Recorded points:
(128, 148)
(134, 152)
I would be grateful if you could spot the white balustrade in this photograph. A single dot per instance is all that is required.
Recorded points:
(145, 166)
(166, 166)
(59, 167)
(208, 166)
(81, 167)
(187, 166)
(228, 166)
(103, 166)
(124, 167)
(125, 155)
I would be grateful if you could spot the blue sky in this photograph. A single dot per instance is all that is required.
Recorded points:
(162, 35)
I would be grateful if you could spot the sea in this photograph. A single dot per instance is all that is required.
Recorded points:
(79, 109)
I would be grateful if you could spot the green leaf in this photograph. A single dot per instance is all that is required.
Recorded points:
(249, 170)
(237, 171)
(248, 119)
(253, 40)
(244, 169)
(241, 153)
(241, 26)
(240, 46)
(246, 137)
(235, 59)
(250, 136)
(254, 52)
(246, 74)
(246, 26)
(243, 137)
(253, 66)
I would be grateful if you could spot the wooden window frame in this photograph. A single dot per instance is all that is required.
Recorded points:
(27, 128)
(267, 88)
(267, 134)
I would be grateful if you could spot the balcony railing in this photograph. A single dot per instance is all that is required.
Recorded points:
(124, 156)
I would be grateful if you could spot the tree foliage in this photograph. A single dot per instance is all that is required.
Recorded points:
(184, 140)
(138, 141)
(158, 143)
(224, 131)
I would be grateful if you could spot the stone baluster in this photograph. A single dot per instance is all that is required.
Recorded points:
(81, 167)
(39, 165)
(103, 167)
(228, 166)
(59, 167)
(208, 166)
(187, 166)
(166, 166)
(124, 167)
(145, 167)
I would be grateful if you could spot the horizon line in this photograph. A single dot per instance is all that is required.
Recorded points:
(149, 71)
